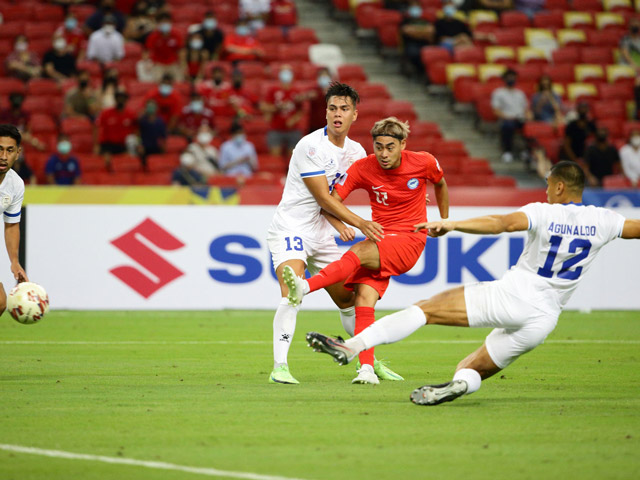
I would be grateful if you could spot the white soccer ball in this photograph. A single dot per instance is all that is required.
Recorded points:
(28, 302)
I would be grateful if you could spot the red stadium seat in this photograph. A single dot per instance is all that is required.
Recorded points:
(569, 54)
(561, 73)
(82, 12)
(613, 91)
(603, 38)
(293, 53)
(125, 163)
(350, 72)
(11, 30)
(513, 36)
(613, 126)
(529, 72)
(270, 34)
(539, 130)
(462, 89)
(159, 178)
(223, 181)
(42, 123)
(374, 90)
(162, 163)
(74, 125)
(302, 35)
(176, 144)
(549, 19)
(272, 163)
(12, 13)
(43, 86)
(388, 36)
(556, 5)
(426, 129)
(601, 55)
(82, 142)
(628, 127)
(514, 18)
(402, 109)
(259, 142)
(9, 85)
(450, 147)
(365, 17)
(43, 29)
(435, 60)
(476, 166)
(611, 182)
(469, 55)
(586, 5)
(91, 163)
(615, 109)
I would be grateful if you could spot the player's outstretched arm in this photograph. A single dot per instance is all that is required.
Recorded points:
(442, 198)
(490, 224)
(346, 233)
(12, 242)
(333, 204)
(631, 229)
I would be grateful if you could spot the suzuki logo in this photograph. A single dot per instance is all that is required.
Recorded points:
(155, 271)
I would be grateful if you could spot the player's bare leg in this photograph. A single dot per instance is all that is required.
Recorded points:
(3, 299)
(284, 325)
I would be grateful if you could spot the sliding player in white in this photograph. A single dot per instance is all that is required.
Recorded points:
(564, 237)
(301, 235)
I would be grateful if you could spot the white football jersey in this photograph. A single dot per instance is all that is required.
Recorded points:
(563, 241)
(314, 155)
(11, 196)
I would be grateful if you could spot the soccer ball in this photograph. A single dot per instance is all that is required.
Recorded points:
(28, 302)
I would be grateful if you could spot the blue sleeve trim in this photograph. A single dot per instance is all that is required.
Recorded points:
(313, 174)
(12, 214)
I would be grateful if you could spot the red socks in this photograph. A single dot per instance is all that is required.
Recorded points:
(365, 316)
(334, 272)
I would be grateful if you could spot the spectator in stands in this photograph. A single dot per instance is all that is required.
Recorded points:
(529, 7)
(107, 7)
(168, 102)
(511, 106)
(212, 35)
(576, 133)
(199, 161)
(546, 105)
(216, 91)
(497, 6)
(153, 130)
(630, 157)
(145, 71)
(21, 62)
(416, 32)
(318, 108)
(194, 116)
(116, 127)
(600, 158)
(24, 171)
(241, 102)
(62, 167)
(58, 62)
(72, 33)
(282, 105)
(82, 100)
(110, 85)
(452, 32)
(283, 13)
(255, 13)
(141, 22)
(106, 44)
(197, 57)
(241, 45)
(19, 118)
(166, 49)
(237, 155)
(630, 44)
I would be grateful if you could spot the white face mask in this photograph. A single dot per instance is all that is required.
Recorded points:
(22, 46)
(635, 141)
(60, 44)
(205, 138)
(109, 28)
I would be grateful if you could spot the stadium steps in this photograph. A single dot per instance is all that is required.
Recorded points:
(315, 14)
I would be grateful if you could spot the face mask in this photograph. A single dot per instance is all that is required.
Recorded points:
(415, 11)
(109, 28)
(165, 89)
(242, 30)
(64, 147)
(635, 29)
(601, 137)
(237, 84)
(22, 46)
(217, 81)
(197, 106)
(164, 27)
(151, 109)
(70, 23)
(60, 44)
(205, 138)
(510, 82)
(583, 115)
(83, 83)
(239, 139)
(449, 10)
(16, 102)
(210, 23)
(285, 76)
(324, 81)
(196, 44)
(635, 141)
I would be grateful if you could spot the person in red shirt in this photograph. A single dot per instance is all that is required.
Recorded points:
(166, 49)
(114, 125)
(241, 45)
(194, 115)
(72, 33)
(283, 105)
(283, 13)
(396, 181)
(169, 102)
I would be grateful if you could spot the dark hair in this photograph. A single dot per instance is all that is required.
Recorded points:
(7, 130)
(236, 127)
(570, 173)
(509, 72)
(337, 89)
(163, 16)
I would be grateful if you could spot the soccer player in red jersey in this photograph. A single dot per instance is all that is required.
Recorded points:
(396, 180)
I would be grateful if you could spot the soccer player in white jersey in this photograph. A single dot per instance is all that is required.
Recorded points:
(11, 196)
(564, 237)
(301, 234)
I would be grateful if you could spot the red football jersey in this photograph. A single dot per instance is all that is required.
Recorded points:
(397, 196)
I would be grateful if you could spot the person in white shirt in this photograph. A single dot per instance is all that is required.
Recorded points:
(200, 159)
(238, 155)
(564, 237)
(106, 44)
(255, 12)
(630, 158)
(301, 235)
(11, 196)
(511, 106)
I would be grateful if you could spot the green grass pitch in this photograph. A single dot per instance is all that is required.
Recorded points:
(190, 388)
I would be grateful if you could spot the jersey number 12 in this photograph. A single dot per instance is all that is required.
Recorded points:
(577, 243)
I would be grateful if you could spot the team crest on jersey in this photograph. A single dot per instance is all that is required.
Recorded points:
(6, 201)
(413, 183)
(312, 152)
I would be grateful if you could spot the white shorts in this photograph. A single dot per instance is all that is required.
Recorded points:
(316, 254)
(511, 307)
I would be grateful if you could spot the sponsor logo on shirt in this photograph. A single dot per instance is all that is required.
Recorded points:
(413, 183)
(6, 201)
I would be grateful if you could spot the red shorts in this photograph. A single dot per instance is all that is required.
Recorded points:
(399, 252)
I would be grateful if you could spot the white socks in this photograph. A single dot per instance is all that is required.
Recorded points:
(348, 319)
(471, 377)
(389, 329)
(284, 324)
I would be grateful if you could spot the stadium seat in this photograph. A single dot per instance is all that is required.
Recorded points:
(132, 50)
(562, 5)
(42, 123)
(568, 55)
(578, 91)
(364, 15)
(629, 126)
(510, 36)
(125, 163)
(603, 38)
(577, 19)
(82, 12)
(610, 20)
(82, 142)
(21, 12)
(529, 72)
(586, 5)
(551, 147)
(614, 109)
(531, 55)
(294, 53)
(223, 181)
(11, 30)
(272, 163)
(549, 19)
(176, 144)
(270, 34)
(601, 55)
(457, 70)
(259, 142)
(612, 91)
(559, 73)
(450, 147)
(611, 182)
(162, 163)
(426, 129)
(9, 85)
(470, 54)
(435, 60)
(589, 72)
(620, 73)
(74, 125)
(302, 35)
(619, 6)
(613, 126)
(491, 71)
(159, 178)
(262, 179)
(476, 166)
(483, 20)
(539, 130)
(374, 90)
(91, 163)
(462, 89)
(42, 29)
(571, 37)
(43, 86)
(350, 72)
(514, 18)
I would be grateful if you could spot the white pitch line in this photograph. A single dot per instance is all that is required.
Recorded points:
(210, 472)
(265, 342)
